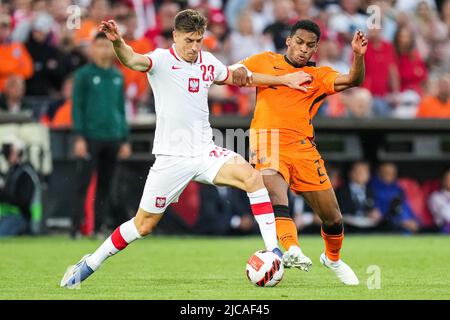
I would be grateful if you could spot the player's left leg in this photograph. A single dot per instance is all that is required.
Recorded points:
(325, 205)
(238, 173)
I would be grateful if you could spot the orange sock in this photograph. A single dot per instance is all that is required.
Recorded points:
(333, 245)
(286, 232)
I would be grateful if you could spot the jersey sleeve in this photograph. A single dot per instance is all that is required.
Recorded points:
(155, 57)
(327, 77)
(256, 62)
(221, 72)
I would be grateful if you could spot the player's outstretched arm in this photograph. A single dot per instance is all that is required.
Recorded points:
(241, 76)
(357, 71)
(296, 80)
(124, 52)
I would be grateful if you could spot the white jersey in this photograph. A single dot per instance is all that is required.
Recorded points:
(180, 90)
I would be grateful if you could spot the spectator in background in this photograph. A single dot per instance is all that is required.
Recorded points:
(412, 72)
(164, 23)
(279, 30)
(72, 56)
(12, 99)
(390, 200)
(445, 14)
(47, 60)
(412, 69)
(244, 42)
(14, 57)
(59, 112)
(20, 192)
(261, 13)
(440, 59)
(437, 105)
(356, 199)
(382, 77)
(97, 11)
(348, 20)
(428, 25)
(99, 122)
(388, 18)
(358, 103)
(224, 211)
(304, 9)
(217, 38)
(439, 204)
(331, 55)
(137, 90)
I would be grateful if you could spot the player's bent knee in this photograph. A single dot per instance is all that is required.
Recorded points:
(146, 222)
(145, 229)
(254, 181)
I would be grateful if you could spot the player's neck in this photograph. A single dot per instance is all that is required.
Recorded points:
(295, 65)
(177, 52)
(289, 61)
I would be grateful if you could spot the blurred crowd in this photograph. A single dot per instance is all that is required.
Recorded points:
(44, 42)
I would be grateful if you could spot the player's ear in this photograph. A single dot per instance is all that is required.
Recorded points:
(288, 41)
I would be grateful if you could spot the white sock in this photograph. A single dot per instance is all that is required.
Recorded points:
(263, 213)
(117, 241)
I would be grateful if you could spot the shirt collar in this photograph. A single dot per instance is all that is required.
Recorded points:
(176, 56)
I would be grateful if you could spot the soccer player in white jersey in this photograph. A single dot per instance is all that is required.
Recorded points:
(180, 78)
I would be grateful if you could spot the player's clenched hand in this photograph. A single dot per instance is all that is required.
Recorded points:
(241, 77)
(359, 43)
(80, 148)
(297, 80)
(124, 151)
(111, 30)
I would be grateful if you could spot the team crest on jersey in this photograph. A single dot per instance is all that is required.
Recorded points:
(160, 202)
(194, 84)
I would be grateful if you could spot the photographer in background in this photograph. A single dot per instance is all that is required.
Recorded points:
(390, 200)
(20, 193)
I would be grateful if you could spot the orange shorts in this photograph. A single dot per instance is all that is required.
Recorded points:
(299, 163)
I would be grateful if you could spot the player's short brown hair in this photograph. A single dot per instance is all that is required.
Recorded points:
(190, 21)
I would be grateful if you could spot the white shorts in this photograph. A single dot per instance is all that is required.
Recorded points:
(170, 175)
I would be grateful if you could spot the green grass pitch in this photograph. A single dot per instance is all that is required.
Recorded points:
(213, 268)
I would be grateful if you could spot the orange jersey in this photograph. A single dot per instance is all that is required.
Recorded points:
(288, 110)
(14, 60)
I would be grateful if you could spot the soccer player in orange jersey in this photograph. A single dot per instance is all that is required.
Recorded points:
(282, 141)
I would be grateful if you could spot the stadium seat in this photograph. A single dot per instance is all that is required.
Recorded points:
(188, 206)
(428, 187)
(415, 197)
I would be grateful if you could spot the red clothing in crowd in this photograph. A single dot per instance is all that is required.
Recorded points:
(378, 60)
(413, 71)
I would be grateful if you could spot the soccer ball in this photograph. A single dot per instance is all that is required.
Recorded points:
(264, 269)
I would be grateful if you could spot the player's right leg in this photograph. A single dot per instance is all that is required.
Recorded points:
(140, 226)
(286, 228)
(238, 173)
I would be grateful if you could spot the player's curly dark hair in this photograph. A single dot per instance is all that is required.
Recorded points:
(190, 21)
(307, 25)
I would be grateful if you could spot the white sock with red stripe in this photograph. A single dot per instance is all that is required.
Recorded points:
(263, 212)
(117, 241)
